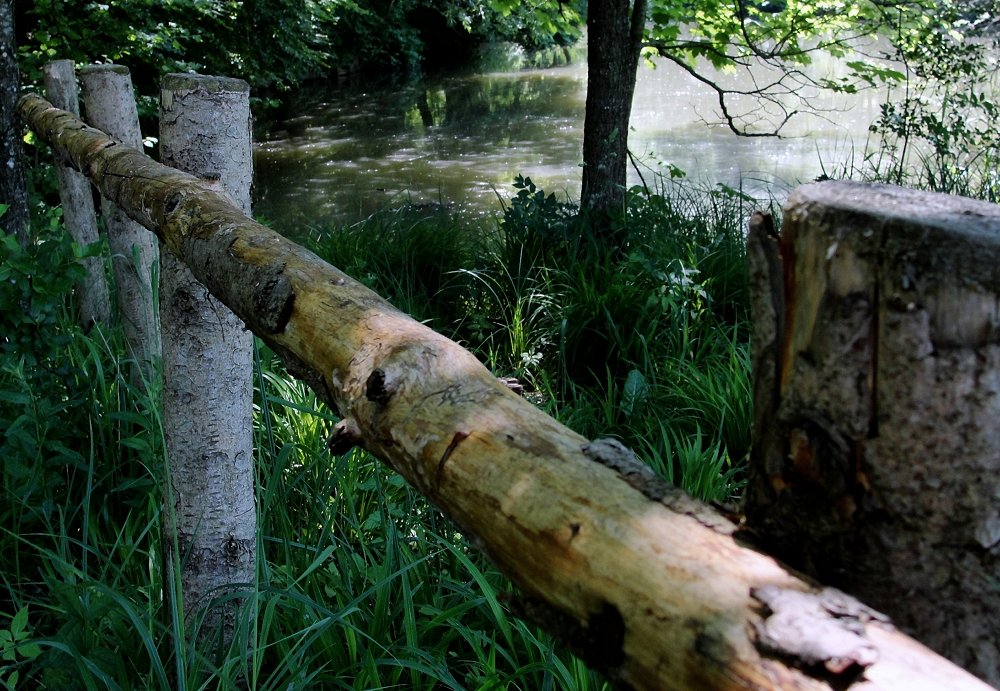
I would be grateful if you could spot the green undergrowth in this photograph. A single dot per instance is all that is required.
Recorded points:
(361, 584)
(643, 336)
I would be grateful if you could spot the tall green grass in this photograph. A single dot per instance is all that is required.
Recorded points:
(644, 338)
(361, 584)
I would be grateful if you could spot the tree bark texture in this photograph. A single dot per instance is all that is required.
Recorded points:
(78, 203)
(13, 191)
(207, 362)
(876, 463)
(646, 583)
(109, 104)
(614, 39)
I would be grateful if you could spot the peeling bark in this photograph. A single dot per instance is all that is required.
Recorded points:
(652, 595)
(877, 355)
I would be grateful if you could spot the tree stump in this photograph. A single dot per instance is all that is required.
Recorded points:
(876, 349)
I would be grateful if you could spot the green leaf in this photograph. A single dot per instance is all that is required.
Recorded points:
(18, 623)
(29, 651)
(635, 393)
(6, 645)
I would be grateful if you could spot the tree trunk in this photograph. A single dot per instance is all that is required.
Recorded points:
(614, 39)
(78, 203)
(646, 583)
(109, 105)
(207, 363)
(877, 355)
(13, 192)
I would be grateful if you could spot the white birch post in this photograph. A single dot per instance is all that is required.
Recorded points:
(109, 105)
(207, 360)
(78, 202)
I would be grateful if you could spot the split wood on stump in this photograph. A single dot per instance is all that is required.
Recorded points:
(646, 583)
(78, 203)
(109, 105)
(876, 462)
(207, 364)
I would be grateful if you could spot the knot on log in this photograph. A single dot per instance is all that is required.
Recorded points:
(825, 629)
(273, 299)
(377, 388)
(345, 436)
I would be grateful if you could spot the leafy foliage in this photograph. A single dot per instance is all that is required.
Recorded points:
(16, 648)
(532, 25)
(273, 43)
(770, 44)
(32, 300)
(268, 42)
(940, 128)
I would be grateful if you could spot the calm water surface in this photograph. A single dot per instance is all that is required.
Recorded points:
(460, 140)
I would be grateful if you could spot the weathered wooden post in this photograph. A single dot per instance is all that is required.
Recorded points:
(109, 105)
(876, 463)
(207, 362)
(78, 202)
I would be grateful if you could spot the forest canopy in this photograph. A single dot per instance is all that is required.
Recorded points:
(279, 43)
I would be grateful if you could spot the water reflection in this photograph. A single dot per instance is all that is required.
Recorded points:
(459, 140)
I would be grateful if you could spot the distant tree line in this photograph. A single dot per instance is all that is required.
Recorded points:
(275, 44)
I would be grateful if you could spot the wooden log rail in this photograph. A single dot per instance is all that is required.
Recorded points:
(644, 582)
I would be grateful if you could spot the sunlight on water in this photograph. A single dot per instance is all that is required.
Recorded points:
(460, 140)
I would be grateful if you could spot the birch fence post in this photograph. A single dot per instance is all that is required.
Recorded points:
(207, 363)
(109, 105)
(77, 202)
(876, 461)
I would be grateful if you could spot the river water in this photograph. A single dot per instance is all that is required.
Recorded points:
(460, 139)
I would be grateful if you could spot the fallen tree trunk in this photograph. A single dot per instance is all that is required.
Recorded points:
(649, 585)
